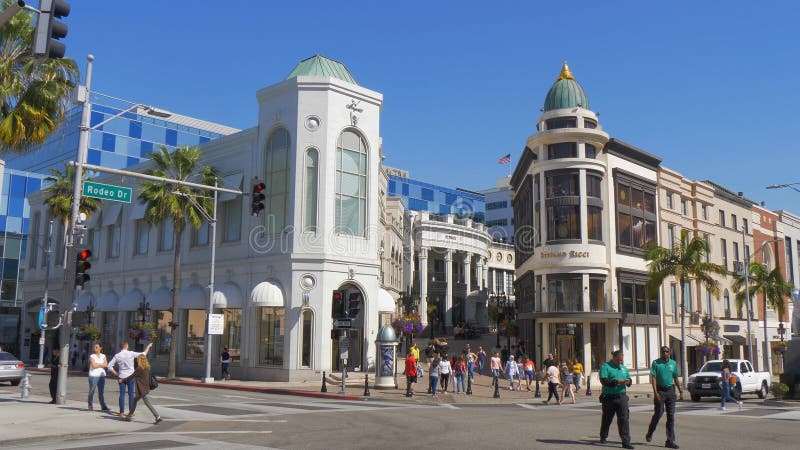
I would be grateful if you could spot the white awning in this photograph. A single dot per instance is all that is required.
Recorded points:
(227, 295)
(160, 299)
(138, 210)
(267, 294)
(107, 302)
(193, 297)
(695, 337)
(84, 300)
(232, 181)
(111, 214)
(385, 301)
(131, 300)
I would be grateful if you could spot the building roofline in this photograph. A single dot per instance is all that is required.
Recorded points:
(632, 153)
(729, 195)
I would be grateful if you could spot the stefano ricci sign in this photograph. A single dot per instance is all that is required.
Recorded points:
(563, 254)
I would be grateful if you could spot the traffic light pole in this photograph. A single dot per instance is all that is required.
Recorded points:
(46, 285)
(213, 224)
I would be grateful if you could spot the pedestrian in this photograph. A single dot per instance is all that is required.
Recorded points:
(225, 361)
(528, 369)
(55, 360)
(97, 377)
(415, 351)
(577, 373)
(460, 371)
(430, 353)
(518, 354)
(84, 367)
(728, 379)
(470, 358)
(411, 373)
(444, 373)
(664, 379)
(566, 381)
(504, 355)
(550, 361)
(124, 362)
(495, 366)
(73, 356)
(141, 379)
(433, 375)
(614, 398)
(553, 381)
(512, 371)
(481, 360)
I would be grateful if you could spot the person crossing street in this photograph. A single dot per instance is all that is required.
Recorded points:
(664, 379)
(614, 398)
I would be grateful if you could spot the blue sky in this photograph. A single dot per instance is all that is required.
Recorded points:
(710, 87)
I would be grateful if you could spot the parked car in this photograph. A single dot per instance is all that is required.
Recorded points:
(11, 369)
(708, 381)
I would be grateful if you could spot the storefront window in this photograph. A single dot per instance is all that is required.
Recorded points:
(565, 294)
(594, 222)
(195, 333)
(162, 319)
(271, 335)
(597, 294)
(232, 334)
(598, 339)
(308, 320)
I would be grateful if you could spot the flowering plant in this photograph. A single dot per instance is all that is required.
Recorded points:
(410, 324)
(509, 327)
(88, 333)
(781, 347)
(143, 331)
(709, 348)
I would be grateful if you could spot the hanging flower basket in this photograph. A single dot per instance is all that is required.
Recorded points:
(88, 333)
(781, 347)
(710, 348)
(409, 324)
(143, 332)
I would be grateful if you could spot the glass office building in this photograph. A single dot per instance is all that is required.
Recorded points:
(420, 196)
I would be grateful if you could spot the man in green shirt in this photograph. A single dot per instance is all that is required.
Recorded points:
(664, 379)
(615, 379)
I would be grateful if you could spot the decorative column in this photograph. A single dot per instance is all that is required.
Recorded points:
(423, 285)
(467, 272)
(485, 273)
(448, 296)
(479, 273)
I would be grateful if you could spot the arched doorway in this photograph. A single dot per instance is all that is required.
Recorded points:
(352, 345)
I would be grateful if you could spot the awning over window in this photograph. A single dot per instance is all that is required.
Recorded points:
(160, 299)
(697, 339)
(267, 294)
(739, 340)
(385, 301)
(138, 210)
(227, 295)
(131, 300)
(723, 341)
(94, 219)
(107, 302)
(193, 297)
(111, 214)
(84, 300)
(233, 181)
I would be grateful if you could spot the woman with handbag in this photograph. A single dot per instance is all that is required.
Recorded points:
(727, 377)
(143, 382)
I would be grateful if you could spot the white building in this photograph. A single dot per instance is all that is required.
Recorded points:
(789, 227)
(499, 211)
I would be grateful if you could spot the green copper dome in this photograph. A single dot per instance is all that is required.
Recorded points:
(320, 66)
(565, 92)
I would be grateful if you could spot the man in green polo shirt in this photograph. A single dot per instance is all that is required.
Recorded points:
(615, 379)
(664, 379)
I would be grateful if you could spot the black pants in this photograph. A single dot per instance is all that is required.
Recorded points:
(668, 399)
(552, 389)
(53, 386)
(444, 381)
(616, 404)
(225, 374)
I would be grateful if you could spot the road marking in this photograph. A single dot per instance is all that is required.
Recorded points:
(202, 432)
(449, 406)
(526, 406)
(226, 420)
(241, 396)
(168, 398)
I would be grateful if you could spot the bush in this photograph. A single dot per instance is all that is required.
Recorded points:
(779, 389)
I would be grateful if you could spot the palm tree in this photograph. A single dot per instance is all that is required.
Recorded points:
(685, 260)
(167, 201)
(59, 199)
(34, 94)
(770, 284)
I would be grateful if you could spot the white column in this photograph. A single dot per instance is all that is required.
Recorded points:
(423, 285)
(448, 296)
(485, 274)
(587, 349)
(467, 270)
(479, 273)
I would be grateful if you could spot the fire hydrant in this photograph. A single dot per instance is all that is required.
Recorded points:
(26, 385)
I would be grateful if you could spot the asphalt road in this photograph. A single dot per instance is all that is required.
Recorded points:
(208, 418)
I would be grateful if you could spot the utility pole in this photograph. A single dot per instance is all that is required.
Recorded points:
(47, 252)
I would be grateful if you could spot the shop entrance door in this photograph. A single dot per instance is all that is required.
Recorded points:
(566, 348)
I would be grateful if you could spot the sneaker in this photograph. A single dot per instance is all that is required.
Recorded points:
(158, 419)
(648, 437)
(128, 418)
(740, 405)
(722, 408)
(627, 446)
(120, 414)
(106, 409)
(603, 441)
(90, 409)
(51, 402)
(671, 445)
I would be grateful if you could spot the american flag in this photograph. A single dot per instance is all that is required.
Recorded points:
(505, 159)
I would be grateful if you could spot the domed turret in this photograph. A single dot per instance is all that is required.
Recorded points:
(565, 92)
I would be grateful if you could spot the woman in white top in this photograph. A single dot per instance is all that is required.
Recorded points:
(444, 373)
(97, 376)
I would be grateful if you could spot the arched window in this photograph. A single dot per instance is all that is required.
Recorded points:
(310, 212)
(351, 184)
(308, 337)
(277, 180)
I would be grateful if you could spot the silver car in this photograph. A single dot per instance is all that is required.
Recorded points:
(11, 369)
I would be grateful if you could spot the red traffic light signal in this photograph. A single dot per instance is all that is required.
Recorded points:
(84, 254)
(82, 266)
(257, 198)
(338, 305)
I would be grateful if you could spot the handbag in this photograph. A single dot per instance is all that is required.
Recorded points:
(732, 379)
(153, 382)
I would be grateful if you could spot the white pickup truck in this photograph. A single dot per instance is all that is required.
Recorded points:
(707, 382)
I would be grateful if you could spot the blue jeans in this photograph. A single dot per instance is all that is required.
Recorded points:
(434, 381)
(471, 370)
(130, 386)
(726, 394)
(98, 383)
(511, 381)
(460, 386)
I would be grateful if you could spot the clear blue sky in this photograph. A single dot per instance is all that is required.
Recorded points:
(710, 87)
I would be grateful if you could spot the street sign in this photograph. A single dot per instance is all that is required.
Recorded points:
(342, 323)
(216, 323)
(107, 191)
(343, 354)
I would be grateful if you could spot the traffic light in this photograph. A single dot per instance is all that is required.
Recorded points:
(48, 29)
(354, 304)
(338, 305)
(82, 266)
(257, 198)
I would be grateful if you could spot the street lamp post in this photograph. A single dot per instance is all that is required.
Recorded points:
(505, 309)
(47, 252)
(143, 310)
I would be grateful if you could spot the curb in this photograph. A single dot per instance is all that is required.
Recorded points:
(261, 390)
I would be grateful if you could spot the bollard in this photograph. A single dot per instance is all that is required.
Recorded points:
(324, 387)
(26, 385)
(589, 386)
(366, 385)
(469, 385)
(496, 388)
(538, 393)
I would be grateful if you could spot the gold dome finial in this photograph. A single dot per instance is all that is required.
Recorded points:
(565, 73)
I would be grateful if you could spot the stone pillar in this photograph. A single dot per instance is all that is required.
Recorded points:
(448, 296)
(467, 272)
(479, 273)
(485, 273)
(423, 286)
(587, 349)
